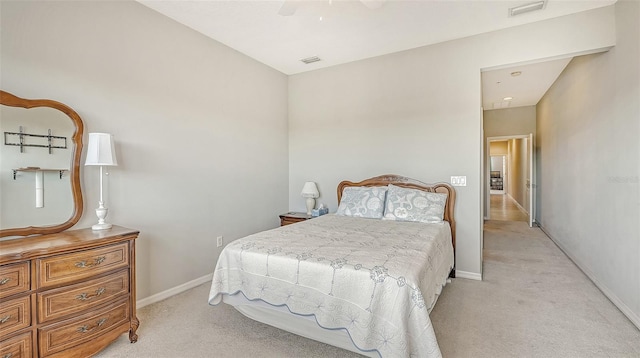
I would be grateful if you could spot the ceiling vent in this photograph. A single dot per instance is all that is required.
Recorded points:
(309, 60)
(534, 6)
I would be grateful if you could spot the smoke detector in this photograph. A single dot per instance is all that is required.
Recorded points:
(309, 60)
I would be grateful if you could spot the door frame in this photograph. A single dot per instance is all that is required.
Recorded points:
(532, 182)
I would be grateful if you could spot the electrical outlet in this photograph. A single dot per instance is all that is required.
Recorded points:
(219, 241)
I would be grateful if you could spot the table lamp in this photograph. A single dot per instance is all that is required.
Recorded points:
(101, 151)
(310, 191)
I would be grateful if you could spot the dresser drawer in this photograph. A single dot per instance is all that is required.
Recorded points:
(17, 347)
(60, 302)
(70, 333)
(14, 279)
(293, 217)
(63, 269)
(15, 315)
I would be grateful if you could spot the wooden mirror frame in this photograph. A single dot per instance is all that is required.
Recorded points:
(7, 99)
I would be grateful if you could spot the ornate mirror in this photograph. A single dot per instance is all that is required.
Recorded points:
(39, 166)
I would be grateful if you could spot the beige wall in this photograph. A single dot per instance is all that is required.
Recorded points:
(518, 171)
(589, 195)
(510, 121)
(200, 129)
(418, 113)
(498, 148)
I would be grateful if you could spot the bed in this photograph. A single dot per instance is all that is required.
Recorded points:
(352, 279)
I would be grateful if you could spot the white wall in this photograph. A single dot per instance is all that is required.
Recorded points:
(497, 164)
(200, 129)
(589, 196)
(418, 113)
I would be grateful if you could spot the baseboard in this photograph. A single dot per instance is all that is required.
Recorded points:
(518, 204)
(468, 275)
(173, 291)
(632, 316)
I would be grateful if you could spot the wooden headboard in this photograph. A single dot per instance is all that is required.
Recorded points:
(405, 182)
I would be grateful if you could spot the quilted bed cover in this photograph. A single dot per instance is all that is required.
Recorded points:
(376, 279)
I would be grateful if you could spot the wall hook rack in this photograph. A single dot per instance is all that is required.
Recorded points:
(21, 140)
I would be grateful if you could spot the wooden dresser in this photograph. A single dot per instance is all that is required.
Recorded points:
(68, 294)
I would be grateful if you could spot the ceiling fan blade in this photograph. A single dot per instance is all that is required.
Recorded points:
(288, 8)
(372, 4)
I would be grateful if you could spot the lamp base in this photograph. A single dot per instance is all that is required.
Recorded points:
(101, 213)
(104, 226)
(311, 203)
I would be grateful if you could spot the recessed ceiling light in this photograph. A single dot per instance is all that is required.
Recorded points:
(507, 98)
(516, 73)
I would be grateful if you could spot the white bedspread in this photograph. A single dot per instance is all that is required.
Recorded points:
(376, 279)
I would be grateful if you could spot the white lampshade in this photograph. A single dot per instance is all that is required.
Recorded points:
(100, 150)
(310, 190)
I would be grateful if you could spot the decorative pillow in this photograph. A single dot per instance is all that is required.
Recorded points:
(404, 204)
(364, 202)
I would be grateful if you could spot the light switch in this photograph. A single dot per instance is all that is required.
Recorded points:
(459, 180)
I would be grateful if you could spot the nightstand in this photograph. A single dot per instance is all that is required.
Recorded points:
(293, 217)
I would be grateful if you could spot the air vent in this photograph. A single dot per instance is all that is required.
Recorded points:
(518, 10)
(309, 60)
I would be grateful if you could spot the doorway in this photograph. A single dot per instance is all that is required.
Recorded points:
(498, 179)
(510, 174)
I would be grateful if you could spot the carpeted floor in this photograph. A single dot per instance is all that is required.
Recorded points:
(533, 302)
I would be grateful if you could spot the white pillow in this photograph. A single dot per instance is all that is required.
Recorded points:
(363, 202)
(404, 204)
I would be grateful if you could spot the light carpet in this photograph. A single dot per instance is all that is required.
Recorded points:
(533, 302)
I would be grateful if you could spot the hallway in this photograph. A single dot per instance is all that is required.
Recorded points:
(504, 208)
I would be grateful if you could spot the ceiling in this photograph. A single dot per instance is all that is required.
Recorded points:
(519, 86)
(342, 31)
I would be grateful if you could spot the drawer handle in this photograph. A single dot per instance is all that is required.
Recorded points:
(85, 296)
(96, 261)
(5, 319)
(8, 355)
(85, 328)
(4, 281)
